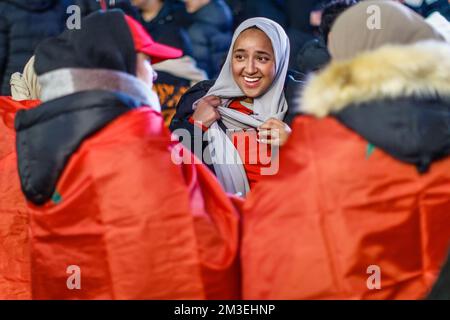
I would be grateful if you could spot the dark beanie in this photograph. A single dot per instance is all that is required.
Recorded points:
(103, 42)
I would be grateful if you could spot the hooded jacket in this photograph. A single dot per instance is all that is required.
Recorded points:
(210, 33)
(88, 159)
(364, 209)
(407, 94)
(90, 202)
(23, 24)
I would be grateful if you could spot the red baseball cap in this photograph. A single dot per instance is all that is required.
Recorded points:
(144, 43)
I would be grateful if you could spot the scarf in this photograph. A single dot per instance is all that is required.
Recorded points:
(62, 82)
(226, 161)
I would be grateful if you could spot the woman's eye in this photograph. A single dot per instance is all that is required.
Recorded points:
(263, 59)
(239, 57)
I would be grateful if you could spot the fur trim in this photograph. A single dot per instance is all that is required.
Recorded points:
(392, 71)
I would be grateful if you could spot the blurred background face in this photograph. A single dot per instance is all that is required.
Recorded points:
(194, 5)
(253, 62)
(146, 73)
(144, 70)
(139, 3)
(142, 4)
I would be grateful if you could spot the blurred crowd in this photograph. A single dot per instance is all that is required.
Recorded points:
(140, 147)
(202, 29)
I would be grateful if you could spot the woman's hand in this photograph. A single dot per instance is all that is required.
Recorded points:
(206, 112)
(274, 132)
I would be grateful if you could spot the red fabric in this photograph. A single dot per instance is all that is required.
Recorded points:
(198, 124)
(254, 155)
(238, 106)
(14, 246)
(335, 209)
(137, 225)
(103, 4)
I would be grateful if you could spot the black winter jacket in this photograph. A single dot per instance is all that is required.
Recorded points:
(23, 24)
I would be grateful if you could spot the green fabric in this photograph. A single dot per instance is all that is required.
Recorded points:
(56, 198)
(370, 150)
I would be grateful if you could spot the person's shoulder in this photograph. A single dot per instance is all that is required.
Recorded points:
(184, 106)
(3, 13)
(37, 7)
(216, 13)
(202, 86)
(221, 6)
(6, 11)
(196, 92)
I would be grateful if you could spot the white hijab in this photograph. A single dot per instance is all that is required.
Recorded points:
(227, 163)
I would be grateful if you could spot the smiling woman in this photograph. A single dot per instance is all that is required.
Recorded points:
(253, 62)
(242, 112)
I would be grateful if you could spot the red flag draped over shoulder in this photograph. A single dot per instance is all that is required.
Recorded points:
(14, 246)
(126, 222)
(340, 216)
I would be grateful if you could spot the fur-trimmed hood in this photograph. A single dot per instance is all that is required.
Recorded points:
(390, 72)
(396, 97)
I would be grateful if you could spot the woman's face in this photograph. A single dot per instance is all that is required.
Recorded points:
(144, 70)
(253, 62)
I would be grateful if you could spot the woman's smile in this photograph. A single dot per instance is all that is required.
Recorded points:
(252, 82)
